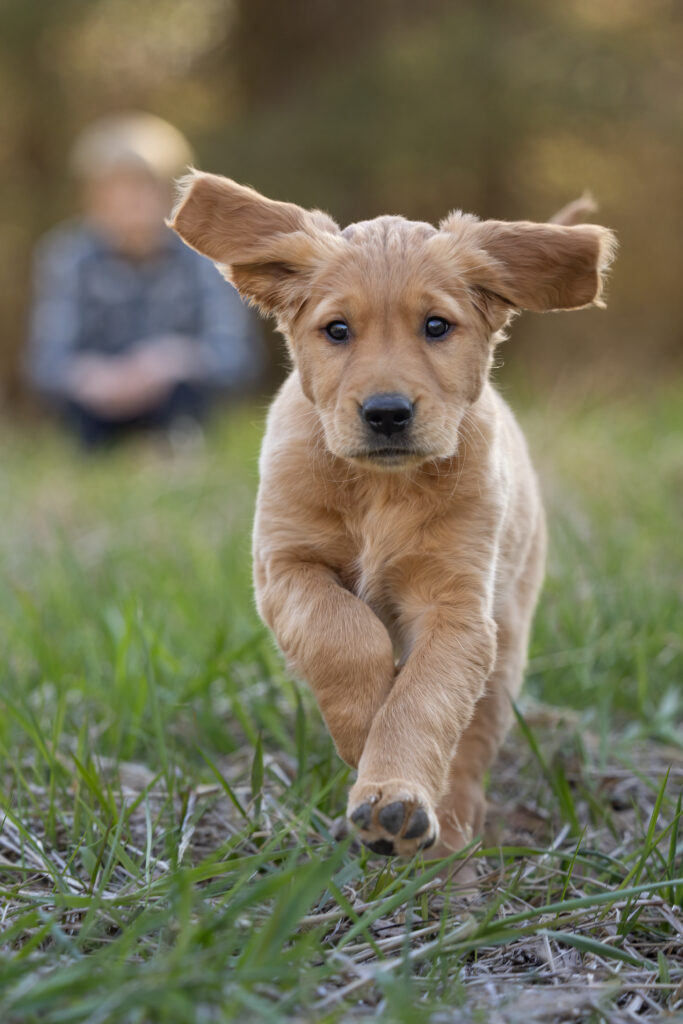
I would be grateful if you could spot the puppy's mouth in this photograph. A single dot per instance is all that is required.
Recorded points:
(388, 455)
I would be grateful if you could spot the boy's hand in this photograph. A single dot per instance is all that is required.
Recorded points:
(125, 386)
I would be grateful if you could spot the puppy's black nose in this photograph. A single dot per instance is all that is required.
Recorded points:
(387, 413)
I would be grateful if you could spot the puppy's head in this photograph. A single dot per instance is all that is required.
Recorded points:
(391, 323)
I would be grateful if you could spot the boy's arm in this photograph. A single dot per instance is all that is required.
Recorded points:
(55, 318)
(231, 351)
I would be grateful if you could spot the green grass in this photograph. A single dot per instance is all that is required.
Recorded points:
(169, 796)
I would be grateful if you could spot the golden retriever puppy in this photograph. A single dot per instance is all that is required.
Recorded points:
(399, 538)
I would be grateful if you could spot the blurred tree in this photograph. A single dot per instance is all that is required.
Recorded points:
(304, 40)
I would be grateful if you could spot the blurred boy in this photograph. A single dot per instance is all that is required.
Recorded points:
(130, 328)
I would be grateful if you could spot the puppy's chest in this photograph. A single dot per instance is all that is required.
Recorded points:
(383, 540)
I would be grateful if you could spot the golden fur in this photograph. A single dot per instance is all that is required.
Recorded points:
(401, 584)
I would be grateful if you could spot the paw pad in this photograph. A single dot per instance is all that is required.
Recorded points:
(391, 821)
(362, 816)
(418, 825)
(382, 846)
(392, 816)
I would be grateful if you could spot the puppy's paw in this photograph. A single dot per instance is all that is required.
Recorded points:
(392, 818)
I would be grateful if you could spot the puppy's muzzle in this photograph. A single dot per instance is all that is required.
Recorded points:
(387, 413)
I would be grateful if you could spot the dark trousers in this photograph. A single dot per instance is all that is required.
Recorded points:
(93, 431)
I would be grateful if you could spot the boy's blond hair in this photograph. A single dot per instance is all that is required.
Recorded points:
(132, 141)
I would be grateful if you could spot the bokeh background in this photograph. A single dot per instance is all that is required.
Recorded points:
(505, 109)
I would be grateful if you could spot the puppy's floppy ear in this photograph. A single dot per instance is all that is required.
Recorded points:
(536, 266)
(265, 248)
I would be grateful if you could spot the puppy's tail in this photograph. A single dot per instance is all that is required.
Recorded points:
(575, 212)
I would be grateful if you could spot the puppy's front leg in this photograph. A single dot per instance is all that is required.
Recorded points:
(334, 641)
(403, 772)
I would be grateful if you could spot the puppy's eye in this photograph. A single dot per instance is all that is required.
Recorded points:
(337, 331)
(436, 327)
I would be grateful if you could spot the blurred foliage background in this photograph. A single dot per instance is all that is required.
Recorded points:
(506, 109)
